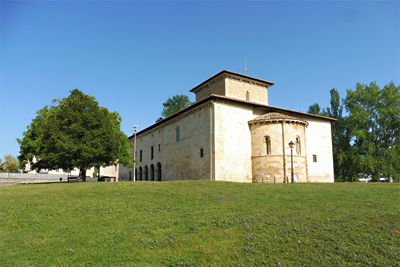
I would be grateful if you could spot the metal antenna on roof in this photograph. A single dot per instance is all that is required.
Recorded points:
(246, 69)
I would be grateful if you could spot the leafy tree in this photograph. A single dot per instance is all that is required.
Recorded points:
(342, 149)
(76, 133)
(340, 141)
(374, 122)
(314, 109)
(32, 145)
(336, 109)
(366, 142)
(173, 105)
(11, 164)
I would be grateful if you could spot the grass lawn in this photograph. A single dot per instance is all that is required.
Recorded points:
(200, 224)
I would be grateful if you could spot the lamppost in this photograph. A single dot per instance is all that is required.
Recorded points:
(134, 130)
(291, 145)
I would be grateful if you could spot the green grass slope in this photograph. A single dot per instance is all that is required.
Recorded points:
(199, 224)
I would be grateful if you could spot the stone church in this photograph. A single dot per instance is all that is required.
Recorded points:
(231, 133)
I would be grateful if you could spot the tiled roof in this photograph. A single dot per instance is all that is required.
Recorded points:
(275, 116)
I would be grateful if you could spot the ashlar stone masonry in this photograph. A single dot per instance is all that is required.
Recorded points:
(232, 134)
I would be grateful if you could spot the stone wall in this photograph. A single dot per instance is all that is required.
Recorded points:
(237, 88)
(232, 141)
(21, 178)
(28, 181)
(293, 130)
(216, 141)
(276, 166)
(232, 149)
(319, 143)
(120, 172)
(215, 86)
(179, 160)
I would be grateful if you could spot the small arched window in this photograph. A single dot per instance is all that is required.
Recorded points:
(298, 145)
(267, 141)
(247, 95)
(140, 174)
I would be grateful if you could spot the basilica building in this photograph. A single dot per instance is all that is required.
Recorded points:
(231, 133)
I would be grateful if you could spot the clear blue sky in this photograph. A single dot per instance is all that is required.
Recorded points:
(133, 55)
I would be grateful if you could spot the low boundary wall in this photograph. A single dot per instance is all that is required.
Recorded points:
(25, 178)
(33, 176)
(18, 178)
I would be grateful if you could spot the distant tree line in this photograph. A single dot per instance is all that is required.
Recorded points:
(366, 141)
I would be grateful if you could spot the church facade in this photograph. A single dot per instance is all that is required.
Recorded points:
(231, 133)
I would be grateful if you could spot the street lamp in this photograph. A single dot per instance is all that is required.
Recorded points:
(134, 130)
(291, 145)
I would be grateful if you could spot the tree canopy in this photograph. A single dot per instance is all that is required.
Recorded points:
(374, 123)
(77, 133)
(314, 109)
(11, 164)
(366, 142)
(173, 105)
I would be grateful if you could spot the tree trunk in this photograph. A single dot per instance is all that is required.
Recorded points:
(82, 174)
(390, 179)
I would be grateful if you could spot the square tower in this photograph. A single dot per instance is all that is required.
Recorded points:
(235, 85)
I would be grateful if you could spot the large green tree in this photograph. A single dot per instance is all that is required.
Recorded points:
(11, 164)
(366, 142)
(173, 105)
(77, 133)
(374, 123)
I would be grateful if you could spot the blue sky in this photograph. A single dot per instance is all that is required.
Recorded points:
(133, 55)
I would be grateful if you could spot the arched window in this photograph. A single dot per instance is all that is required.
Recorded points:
(298, 145)
(136, 174)
(146, 173)
(140, 174)
(158, 171)
(267, 141)
(247, 95)
(152, 172)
